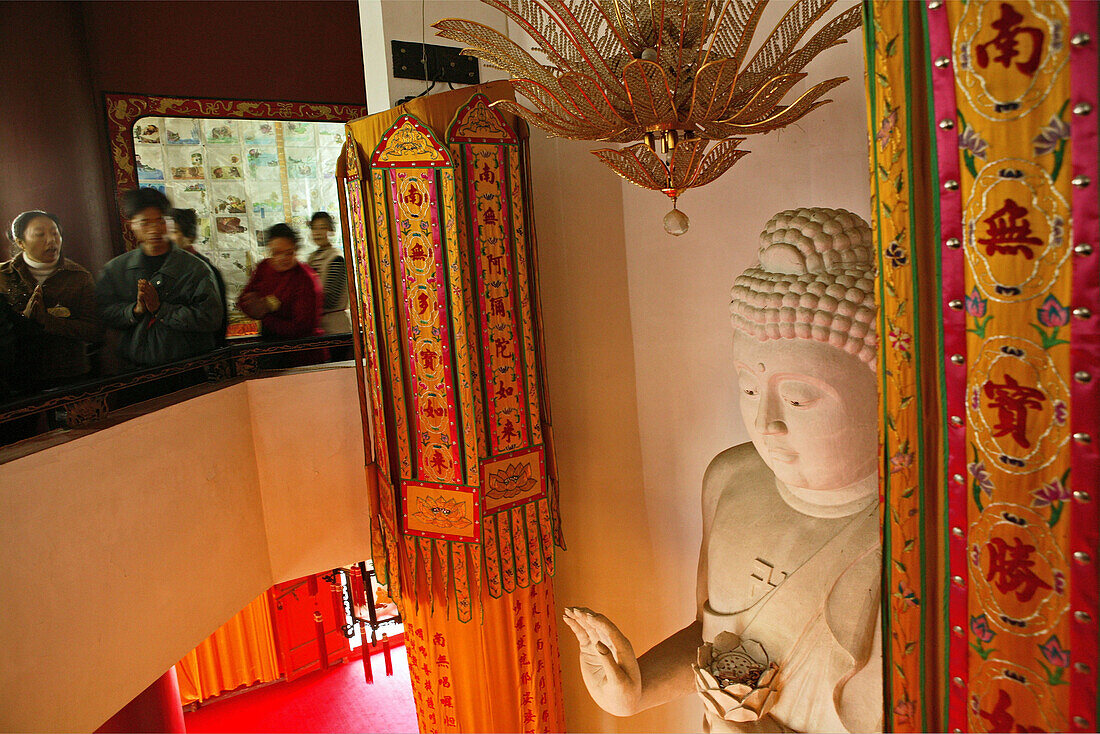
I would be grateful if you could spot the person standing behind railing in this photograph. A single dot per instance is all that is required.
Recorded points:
(53, 304)
(328, 263)
(283, 294)
(183, 230)
(163, 301)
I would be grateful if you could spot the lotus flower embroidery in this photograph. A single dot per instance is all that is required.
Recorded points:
(510, 481)
(441, 513)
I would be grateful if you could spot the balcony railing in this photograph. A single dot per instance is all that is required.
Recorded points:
(82, 403)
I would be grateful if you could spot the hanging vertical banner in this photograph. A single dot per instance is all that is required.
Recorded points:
(1000, 100)
(486, 152)
(451, 357)
(423, 327)
(909, 456)
(461, 474)
(1018, 526)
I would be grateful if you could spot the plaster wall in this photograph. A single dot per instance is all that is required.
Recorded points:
(127, 547)
(310, 467)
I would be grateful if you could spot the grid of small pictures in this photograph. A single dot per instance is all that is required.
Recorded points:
(229, 172)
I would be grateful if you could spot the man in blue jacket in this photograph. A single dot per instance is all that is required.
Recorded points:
(163, 300)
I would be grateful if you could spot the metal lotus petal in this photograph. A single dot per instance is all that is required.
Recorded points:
(650, 98)
(717, 161)
(637, 164)
(715, 86)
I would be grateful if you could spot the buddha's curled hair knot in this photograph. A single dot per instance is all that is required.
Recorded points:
(815, 281)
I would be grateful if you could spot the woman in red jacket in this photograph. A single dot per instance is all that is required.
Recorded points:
(283, 294)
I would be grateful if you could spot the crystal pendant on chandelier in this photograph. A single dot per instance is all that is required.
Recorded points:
(676, 222)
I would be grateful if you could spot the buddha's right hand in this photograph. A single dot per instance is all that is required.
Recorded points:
(608, 664)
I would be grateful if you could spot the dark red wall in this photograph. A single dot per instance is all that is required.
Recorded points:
(60, 57)
(286, 50)
(52, 152)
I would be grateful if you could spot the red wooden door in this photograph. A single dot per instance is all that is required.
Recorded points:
(295, 605)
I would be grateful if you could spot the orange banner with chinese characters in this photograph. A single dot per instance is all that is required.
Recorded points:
(501, 675)
(1012, 97)
(462, 474)
(990, 409)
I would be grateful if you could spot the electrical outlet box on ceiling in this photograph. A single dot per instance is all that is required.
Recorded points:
(444, 63)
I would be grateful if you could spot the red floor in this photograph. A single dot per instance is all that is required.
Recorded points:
(336, 700)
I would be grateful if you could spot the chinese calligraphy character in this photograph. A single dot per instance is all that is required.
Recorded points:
(438, 461)
(490, 216)
(504, 391)
(429, 357)
(1009, 231)
(502, 345)
(487, 174)
(1000, 719)
(1012, 401)
(494, 263)
(413, 196)
(1009, 27)
(439, 640)
(496, 308)
(1010, 569)
(434, 410)
(417, 252)
(422, 303)
(508, 433)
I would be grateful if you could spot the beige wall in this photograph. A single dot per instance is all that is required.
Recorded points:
(125, 548)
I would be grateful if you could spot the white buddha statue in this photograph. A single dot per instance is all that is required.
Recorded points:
(788, 634)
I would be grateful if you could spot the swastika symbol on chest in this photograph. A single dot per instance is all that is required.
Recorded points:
(765, 577)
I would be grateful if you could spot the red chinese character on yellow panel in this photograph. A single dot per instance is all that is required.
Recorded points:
(1017, 406)
(1004, 698)
(1017, 571)
(1015, 42)
(1008, 56)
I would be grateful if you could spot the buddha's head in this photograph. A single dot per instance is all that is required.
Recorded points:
(805, 347)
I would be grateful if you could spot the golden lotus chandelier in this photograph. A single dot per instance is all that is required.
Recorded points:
(667, 75)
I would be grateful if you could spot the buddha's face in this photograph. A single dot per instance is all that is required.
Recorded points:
(810, 409)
